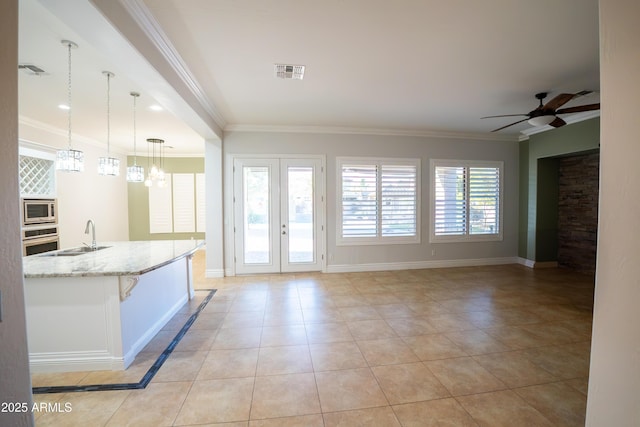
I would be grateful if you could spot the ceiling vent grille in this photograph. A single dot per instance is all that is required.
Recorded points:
(292, 72)
(31, 69)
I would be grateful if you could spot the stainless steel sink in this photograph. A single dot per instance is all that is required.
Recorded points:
(75, 251)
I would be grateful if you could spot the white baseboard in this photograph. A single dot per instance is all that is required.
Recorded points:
(214, 273)
(74, 362)
(414, 265)
(526, 262)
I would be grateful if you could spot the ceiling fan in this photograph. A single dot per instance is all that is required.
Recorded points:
(547, 114)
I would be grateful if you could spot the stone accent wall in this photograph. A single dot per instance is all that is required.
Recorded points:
(578, 211)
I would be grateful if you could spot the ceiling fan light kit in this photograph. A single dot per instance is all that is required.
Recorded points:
(541, 120)
(547, 114)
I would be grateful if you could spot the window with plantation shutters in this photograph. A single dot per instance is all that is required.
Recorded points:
(379, 202)
(467, 200)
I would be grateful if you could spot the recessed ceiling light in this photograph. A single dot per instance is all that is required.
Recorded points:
(63, 107)
(155, 107)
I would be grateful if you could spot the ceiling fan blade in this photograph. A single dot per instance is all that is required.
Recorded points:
(514, 123)
(557, 122)
(579, 108)
(504, 115)
(558, 101)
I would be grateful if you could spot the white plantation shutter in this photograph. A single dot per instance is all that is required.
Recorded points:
(380, 202)
(200, 203)
(160, 208)
(484, 199)
(359, 204)
(466, 200)
(399, 186)
(450, 201)
(184, 220)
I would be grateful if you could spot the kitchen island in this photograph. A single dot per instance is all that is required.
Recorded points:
(96, 310)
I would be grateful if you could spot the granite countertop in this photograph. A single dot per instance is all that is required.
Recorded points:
(118, 259)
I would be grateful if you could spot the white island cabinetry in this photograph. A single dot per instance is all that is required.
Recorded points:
(97, 310)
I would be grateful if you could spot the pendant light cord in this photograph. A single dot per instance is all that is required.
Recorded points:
(135, 152)
(69, 95)
(108, 113)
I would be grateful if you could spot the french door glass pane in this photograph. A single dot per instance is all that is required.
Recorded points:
(300, 212)
(256, 215)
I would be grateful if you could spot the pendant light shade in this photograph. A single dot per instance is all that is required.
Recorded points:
(135, 173)
(69, 160)
(108, 165)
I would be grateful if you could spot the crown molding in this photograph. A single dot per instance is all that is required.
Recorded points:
(141, 14)
(477, 136)
(38, 125)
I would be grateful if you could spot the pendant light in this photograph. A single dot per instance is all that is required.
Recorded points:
(156, 173)
(69, 160)
(135, 173)
(108, 165)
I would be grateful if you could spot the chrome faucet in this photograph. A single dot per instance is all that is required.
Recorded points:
(94, 245)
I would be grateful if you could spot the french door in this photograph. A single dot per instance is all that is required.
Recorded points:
(278, 215)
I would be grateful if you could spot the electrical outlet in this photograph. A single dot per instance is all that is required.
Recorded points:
(433, 252)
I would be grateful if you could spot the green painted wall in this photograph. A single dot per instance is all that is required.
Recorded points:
(138, 198)
(547, 209)
(523, 191)
(540, 171)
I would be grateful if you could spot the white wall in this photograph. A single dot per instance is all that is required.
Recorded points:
(213, 167)
(86, 195)
(614, 379)
(333, 145)
(15, 382)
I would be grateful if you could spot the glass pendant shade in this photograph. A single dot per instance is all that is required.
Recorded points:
(156, 174)
(109, 166)
(69, 160)
(135, 173)
(541, 120)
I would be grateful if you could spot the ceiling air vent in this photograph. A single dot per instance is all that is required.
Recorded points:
(284, 71)
(31, 69)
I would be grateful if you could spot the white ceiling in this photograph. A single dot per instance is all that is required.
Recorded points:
(410, 66)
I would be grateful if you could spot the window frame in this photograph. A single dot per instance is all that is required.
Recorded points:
(379, 239)
(466, 237)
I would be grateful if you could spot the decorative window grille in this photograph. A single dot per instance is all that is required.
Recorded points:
(37, 176)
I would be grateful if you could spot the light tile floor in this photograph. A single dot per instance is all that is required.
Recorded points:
(481, 346)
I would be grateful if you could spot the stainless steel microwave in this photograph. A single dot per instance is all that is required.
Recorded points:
(39, 211)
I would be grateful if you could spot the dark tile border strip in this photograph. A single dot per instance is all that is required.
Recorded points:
(153, 370)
